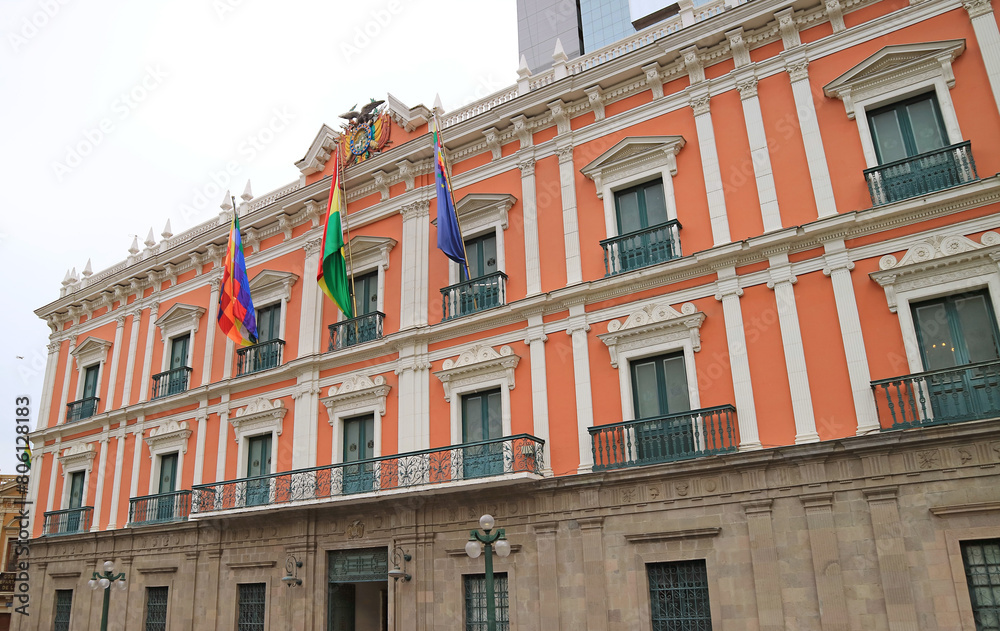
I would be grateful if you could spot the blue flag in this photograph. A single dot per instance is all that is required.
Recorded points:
(449, 236)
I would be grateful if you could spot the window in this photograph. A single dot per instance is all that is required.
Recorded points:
(179, 352)
(475, 602)
(485, 288)
(982, 571)
(366, 294)
(176, 373)
(640, 207)
(659, 386)
(10, 564)
(90, 381)
(481, 254)
(167, 486)
(269, 323)
(266, 353)
(156, 609)
(258, 464)
(251, 607)
(76, 489)
(359, 444)
(482, 420)
(907, 128)
(956, 330)
(64, 604)
(90, 357)
(678, 596)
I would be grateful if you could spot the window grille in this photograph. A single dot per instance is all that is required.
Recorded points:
(252, 602)
(475, 602)
(156, 608)
(678, 596)
(982, 570)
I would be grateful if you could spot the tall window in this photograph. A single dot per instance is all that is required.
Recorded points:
(76, 488)
(64, 604)
(475, 602)
(482, 420)
(156, 609)
(678, 596)
(359, 444)
(269, 323)
(956, 330)
(258, 464)
(366, 294)
(179, 352)
(482, 256)
(907, 128)
(90, 376)
(982, 570)
(168, 484)
(660, 393)
(251, 607)
(640, 207)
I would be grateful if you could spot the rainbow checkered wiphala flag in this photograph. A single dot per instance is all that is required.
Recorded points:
(237, 317)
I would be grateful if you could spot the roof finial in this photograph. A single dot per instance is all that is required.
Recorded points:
(226, 204)
(247, 195)
(88, 270)
(134, 249)
(150, 240)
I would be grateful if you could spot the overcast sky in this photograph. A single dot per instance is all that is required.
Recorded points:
(118, 115)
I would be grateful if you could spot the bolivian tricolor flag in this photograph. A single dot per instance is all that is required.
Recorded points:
(237, 317)
(332, 275)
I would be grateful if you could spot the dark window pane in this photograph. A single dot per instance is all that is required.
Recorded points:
(888, 136)
(252, 604)
(678, 596)
(156, 608)
(475, 602)
(976, 324)
(64, 605)
(982, 572)
(927, 134)
(628, 211)
(936, 341)
(656, 205)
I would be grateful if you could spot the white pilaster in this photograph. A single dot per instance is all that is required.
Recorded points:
(99, 491)
(133, 342)
(535, 338)
(413, 371)
(113, 375)
(577, 329)
(781, 281)
(767, 194)
(529, 209)
(838, 268)
(220, 464)
(49, 502)
(213, 316)
(571, 222)
(311, 314)
(306, 401)
(117, 485)
(147, 358)
(199, 451)
(51, 365)
(985, 25)
(710, 166)
(227, 366)
(728, 292)
(64, 398)
(414, 290)
(34, 481)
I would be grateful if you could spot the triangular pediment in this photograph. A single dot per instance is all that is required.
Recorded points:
(91, 345)
(628, 150)
(366, 252)
(269, 278)
(319, 151)
(362, 244)
(892, 61)
(180, 312)
(478, 201)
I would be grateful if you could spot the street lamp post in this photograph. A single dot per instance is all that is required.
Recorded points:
(103, 580)
(478, 541)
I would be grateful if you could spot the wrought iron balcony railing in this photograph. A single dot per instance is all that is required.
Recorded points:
(79, 410)
(919, 175)
(642, 248)
(473, 296)
(937, 397)
(159, 509)
(489, 458)
(692, 434)
(67, 522)
(171, 382)
(7, 582)
(262, 356)
(366, 328)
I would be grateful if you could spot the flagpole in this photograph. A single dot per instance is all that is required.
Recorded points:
(458, 222)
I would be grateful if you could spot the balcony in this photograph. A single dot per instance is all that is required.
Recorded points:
(473, 296)
(693, 434)
(67, 522)
(79, 410)
(486, 459)
(938, 397)
(366, 328)
(262, 356)
(912, 177)
(159, 509)
(642, 248)
(171, 382)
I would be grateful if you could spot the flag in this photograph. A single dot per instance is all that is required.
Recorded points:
(237, 317)
(449, 236)
(26, 456)
(332, 274)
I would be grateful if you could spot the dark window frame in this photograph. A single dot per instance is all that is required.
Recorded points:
(905, 125)
(679, 595)
(474, 592)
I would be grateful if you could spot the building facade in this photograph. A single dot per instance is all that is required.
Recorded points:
(726, 356)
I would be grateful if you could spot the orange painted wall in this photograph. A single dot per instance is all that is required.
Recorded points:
(552, 244)
(55, 412)
(715, 377)
(736, 166)
(44, 474)
(562, 404)
(879, 326)
(771, 393)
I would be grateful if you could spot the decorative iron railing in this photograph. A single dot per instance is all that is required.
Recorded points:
(692, 434)
(473, 296)
(173, 381)
(936, 397)
(159, 509)
(484, 459)
(919, 175)
(262, 356)
(642, 248)
(67, 522)
(79, 410)
(366, 328)
(7, 582)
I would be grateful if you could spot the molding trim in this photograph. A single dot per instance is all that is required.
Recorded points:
(355, 393)
(91, 351)
(654, 323)
(258, 417)
(632, 155)
(475, 364)
(77, 458)
(169, 437)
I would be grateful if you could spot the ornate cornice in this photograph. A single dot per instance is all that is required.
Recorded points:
(478, 363)
(259, 416)
(169, 437)
(356, 392)
(657, 322)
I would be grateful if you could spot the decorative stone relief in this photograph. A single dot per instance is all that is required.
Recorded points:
(522, 131)
(78, 457)
(654, 79)
(493, 142)
(654, 323)
(179, 318)
(406, 173)
(258, 417)
(90, 351)
(633, 155)
(560, 115)
(595, 96)
(477, 364)
(169, 437)
(381, 184)
(356, 392)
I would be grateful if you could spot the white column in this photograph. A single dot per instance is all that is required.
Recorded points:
(571, 222)
(220, 464)
(728, 292)
(113, 375)
(37, 460)
(985, 26)
(48, 384)
(64, 399)
(133, 489)
(52, 474)
(577, 329)
(311, 316)
(838, 268)
(227, 367)
(535, 339)
(416, 235)
(423, 226)
(306, 402)
(213, 315)
(117, 485)
(766, 193)
(414, 398)
(710, 167)
(147, 358)
(781, 281)
(133, 342)
(797, 67)
(199, 452)
(529, 209)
